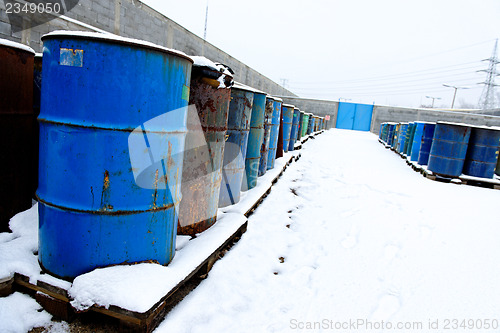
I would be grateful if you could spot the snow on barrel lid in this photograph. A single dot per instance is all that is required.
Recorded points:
(109, 37)
(288, 106)
(241, 86)
(200, 61)
(15, 45)
(277, 99)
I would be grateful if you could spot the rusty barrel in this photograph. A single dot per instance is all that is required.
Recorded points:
(204, 147)
(449, 148)
(264, 148)
(255, 139)
(112, 130)
(273, 143)
(238, 128)
(295, 129)
(390, 133)
(287, 111)
(17, 129)
(482, 152)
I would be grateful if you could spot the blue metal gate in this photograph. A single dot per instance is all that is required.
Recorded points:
(353, 116)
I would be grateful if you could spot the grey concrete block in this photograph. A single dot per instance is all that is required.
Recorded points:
(5, 29)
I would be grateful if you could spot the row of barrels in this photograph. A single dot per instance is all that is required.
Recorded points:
(128, 144)
(447, 149)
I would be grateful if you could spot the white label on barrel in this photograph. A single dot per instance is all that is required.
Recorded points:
(70, 57)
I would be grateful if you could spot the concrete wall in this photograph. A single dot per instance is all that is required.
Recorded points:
(132, 18)
(397, 114)
(318, 107)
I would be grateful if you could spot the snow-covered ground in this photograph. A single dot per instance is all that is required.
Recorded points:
(349, 239)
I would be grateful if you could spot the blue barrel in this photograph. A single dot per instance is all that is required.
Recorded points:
(287, 111)
(482, 153)
(402, 137)
(417, 140)
(409, 138)
(255, 140)
(264, 149)
(394, 143)
(310, 125)
(299, 127)
(238, 128)
(426, 143)
(112, 129)
(275, 128)
(449, 148)
(295, 129)
(390, 133)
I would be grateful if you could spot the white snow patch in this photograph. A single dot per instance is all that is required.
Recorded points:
(17, 249)
(15, 45)
(20, 313)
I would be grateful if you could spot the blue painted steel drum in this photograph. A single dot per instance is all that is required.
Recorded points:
(426, 143)
(235, 149)
(275, 128)
(255, 140)
(449, 148)
(264, 149)
(305, 124)
(390, 133)
(295, 129)
(394, 143)
(112, 130)
(409, 138)
(482, 153)
(417, 140)
(300, 125)
(287, 111)
(310, 125)
(402, 137)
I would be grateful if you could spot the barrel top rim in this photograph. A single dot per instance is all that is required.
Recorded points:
(453, 124)
(288, 106)
(296, 108)
(277, 99)
(241, 86)
(109, 37)
(16, 45)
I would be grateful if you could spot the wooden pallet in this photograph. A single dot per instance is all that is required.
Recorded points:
(462, 180)
(6, 286)
(56, 300)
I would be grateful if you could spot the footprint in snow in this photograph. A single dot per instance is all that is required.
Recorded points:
(387, 306)
(352, 238)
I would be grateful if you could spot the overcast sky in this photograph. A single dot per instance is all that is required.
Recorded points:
(392, 52)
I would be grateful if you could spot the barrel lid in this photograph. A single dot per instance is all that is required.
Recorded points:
(15, 45)
(296, 108)
(241, 86)
(277, 99)
(200, 61)
(288, 106)
(113, 38)
(38, 55)
(303, 112)
(270, 97)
